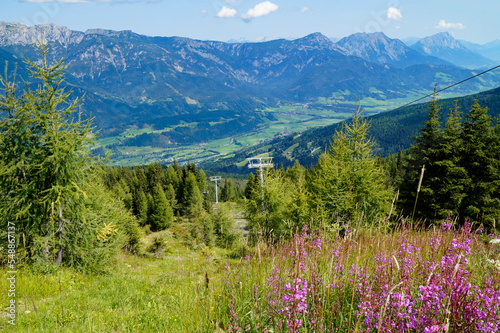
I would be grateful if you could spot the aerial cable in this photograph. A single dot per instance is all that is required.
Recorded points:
(445, 88)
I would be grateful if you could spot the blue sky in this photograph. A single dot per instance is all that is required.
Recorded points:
(253, 20)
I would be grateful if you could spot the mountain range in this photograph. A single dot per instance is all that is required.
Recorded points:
(163, 83)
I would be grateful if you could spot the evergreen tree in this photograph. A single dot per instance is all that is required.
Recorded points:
(170, 194)
(141, 204)
(479, 158)
(424, 152)
(155, 175)
(142, 179)
(348, 180)
(228, 192)
(201, 178)
(193, 201)
(162, 215)
(449, 191)
(249, 186)
(171, 177)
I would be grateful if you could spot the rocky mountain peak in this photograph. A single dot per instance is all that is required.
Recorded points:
(442, 39)
(21, 34)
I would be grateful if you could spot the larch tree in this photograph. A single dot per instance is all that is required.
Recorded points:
(44, 158)
(349, 181)
(51, 188)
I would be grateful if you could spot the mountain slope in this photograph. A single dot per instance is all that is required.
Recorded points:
(378, 48)
(444, 46)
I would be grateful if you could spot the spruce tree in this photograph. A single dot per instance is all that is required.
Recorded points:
(449, 191)
(193, 201)
(424, 152)
(170, 194)
(162, 215)
(479, 158)
(227, 193)
(141, 204)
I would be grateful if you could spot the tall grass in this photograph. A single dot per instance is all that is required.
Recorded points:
(409, 280)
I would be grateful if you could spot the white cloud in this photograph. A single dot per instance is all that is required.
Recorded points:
(304, 9)
(226, 12)
(262, 9)
(445, 26)
(394, 14)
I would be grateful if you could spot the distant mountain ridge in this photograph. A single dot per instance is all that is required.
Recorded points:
(378, 48)
(444, 46)
(489, 50)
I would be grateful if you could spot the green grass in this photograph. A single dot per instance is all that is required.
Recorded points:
(170, 293)
(138, 295)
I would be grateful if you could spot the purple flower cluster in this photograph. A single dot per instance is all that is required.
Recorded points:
(439, 299)
(415, 282)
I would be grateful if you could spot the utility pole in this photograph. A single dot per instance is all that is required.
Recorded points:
(260, 163)
(215, 179)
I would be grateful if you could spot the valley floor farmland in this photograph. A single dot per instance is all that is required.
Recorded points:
(410, 280)
(283, 120)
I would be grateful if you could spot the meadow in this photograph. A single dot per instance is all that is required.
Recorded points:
(410, 279)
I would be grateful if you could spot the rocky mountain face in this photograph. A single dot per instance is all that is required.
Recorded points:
(378, 48)
(444, 46)
(21, 34)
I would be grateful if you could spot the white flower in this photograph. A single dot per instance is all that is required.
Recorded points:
(494, 241)
(495, 263)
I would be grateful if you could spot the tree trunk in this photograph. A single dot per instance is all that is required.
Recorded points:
(60, 236)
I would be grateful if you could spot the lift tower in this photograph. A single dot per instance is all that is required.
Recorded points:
(215, 179)
(260, 163)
